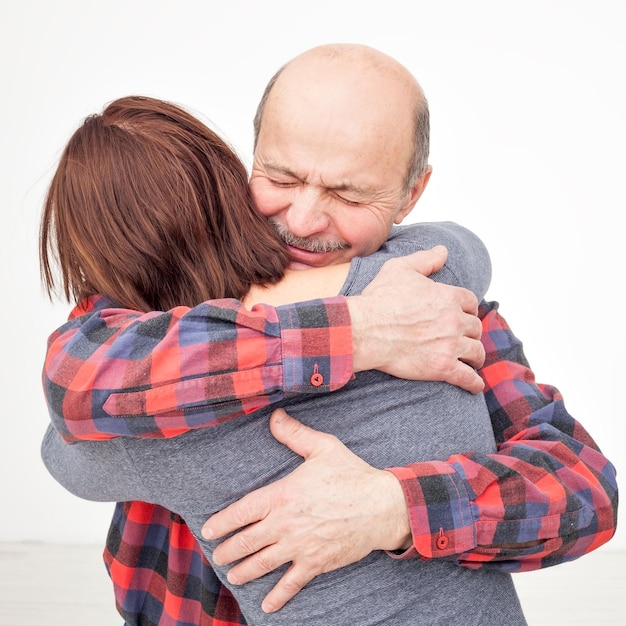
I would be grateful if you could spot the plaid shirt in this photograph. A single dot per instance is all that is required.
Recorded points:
(548, 483)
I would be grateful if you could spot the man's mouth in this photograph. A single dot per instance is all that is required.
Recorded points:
(305, 259)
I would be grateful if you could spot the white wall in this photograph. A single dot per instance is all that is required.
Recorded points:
(528, 115)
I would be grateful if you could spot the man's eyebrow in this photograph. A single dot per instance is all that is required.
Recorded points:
(277, 168)
(351, 187)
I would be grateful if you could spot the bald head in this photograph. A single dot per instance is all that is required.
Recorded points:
(355, 89)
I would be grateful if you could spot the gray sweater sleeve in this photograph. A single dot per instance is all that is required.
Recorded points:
(93, 470)
(468, 264)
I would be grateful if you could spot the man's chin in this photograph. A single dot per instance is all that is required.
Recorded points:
(295, 265)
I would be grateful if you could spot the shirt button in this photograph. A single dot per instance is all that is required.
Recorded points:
(317, 379)
(442, 541)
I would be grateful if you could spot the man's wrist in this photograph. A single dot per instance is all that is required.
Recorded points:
(365, 356)
(402, 538)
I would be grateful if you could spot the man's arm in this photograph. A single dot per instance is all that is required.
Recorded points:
(546, 496)
(113, 372)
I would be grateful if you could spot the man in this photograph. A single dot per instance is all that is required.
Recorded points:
(334, 179)
(333, 140)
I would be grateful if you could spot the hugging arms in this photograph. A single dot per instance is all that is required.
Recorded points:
(538, 449)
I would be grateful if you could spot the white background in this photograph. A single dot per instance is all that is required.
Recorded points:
(528, 138)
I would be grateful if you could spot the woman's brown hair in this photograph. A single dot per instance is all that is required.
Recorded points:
(151, 209)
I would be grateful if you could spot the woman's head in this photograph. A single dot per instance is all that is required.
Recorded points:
(150, 208)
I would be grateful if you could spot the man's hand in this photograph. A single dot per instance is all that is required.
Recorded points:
(412, 327)
(333, 510)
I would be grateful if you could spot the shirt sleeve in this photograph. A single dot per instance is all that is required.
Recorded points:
(110, 372)
(546, 496)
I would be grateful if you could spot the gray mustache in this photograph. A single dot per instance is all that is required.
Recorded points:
(311, 244)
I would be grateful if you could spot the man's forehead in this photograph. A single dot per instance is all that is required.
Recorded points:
(343, 141)
(345, 149)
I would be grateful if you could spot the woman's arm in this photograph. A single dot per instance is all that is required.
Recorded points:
(97, 471)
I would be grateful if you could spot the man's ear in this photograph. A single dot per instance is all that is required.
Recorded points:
(414, 195)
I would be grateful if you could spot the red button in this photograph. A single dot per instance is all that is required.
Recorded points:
(442, 541)
(317, 379)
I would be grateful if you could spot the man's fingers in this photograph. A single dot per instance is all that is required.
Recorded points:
(299, 438)
(290, 432)
(427, 262)
(474, 326)
(287, 587)
(256, 565)
(473, 352)
(465, 377)
(467, 300)
(257, 505)
(249, 509)
(463, 374)
(246, 542)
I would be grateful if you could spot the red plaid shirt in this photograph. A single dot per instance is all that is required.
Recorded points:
(112, 372)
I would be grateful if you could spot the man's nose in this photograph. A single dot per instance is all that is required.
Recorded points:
(307, 214)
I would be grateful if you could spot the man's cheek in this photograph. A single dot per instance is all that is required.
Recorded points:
(268, 200)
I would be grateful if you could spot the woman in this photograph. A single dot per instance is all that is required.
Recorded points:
(149, 210)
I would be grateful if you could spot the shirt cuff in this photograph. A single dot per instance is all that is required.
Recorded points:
(317, 349)
(439, 508)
